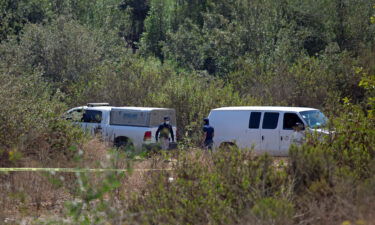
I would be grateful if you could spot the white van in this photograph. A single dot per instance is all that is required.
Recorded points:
(123, 126)
(262, 128)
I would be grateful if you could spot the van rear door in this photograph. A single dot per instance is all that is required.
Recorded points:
(270, 134)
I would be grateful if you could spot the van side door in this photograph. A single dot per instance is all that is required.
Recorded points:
(253, 139)
(270, 134)
(289, 120)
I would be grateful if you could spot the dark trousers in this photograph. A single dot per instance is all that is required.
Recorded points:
(208, 144)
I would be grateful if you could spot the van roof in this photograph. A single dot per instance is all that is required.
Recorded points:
(264, 108)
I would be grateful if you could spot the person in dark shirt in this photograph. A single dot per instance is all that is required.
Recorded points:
(163, 132)
(208, 134)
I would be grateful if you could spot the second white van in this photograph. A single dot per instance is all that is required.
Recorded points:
(262, 128)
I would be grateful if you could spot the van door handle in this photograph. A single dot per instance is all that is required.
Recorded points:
(281, 138)
(262, 137)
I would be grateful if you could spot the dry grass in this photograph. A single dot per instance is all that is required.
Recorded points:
(32, 194)
(95, 154)
(29, 194)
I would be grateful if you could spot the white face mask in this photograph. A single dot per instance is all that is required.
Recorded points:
(167, 122)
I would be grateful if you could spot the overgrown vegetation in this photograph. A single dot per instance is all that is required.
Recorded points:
(192, 56)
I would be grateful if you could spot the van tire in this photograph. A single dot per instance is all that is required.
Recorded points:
(226, 145)
(123, 143)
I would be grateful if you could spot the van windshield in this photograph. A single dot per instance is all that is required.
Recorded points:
(314, 118)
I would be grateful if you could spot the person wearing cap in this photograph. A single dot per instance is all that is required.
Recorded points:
(208, 134)
(298, 136)
(164, 131)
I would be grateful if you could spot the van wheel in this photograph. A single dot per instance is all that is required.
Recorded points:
(123, 143)
(227, 145)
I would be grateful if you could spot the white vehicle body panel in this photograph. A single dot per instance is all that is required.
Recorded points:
(232, 125)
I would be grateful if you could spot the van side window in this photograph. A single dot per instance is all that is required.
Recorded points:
(92, 116)
(290, 119)
(270, 120)
(254, 120)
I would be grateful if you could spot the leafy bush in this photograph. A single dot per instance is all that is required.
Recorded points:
(30, 119)
(273, 211)
(349, 147)
(63, 64)
(310, 81)
(336, 171)
(207, 189)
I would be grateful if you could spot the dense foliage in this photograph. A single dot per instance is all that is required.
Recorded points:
(195, 55)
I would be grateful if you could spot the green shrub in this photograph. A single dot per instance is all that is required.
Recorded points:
(214, 188)
(309, 81)
(309, 164)
(30, 115)
(273, 211)
(64, 51)
(335, 170)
